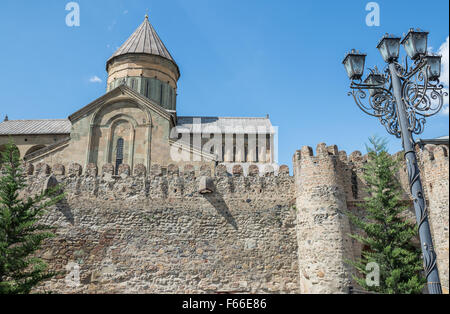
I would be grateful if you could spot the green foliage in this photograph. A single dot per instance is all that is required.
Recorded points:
(387, 235)
(21, 234)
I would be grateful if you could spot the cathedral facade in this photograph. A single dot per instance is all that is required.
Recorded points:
(136, 121)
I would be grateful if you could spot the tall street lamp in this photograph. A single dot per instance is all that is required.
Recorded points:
(401, 97)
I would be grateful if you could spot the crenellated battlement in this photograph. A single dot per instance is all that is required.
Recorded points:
(434, 164)
(140, 170)
(331, 163)
(161, 182)
(433, 157)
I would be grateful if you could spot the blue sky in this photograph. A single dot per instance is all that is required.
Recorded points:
(237, 58)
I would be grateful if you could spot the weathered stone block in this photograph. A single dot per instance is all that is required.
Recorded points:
(28, 169)
(108, 169)
(343, 156)
(206, 185)
(253, 171)
(268, 171)
(42, 169)
(91, 170)
(333, 150)
(156, 170)
(189, 171)
(124, 170)
(440, 153)
(237, 170)
(75, 170)
(221, 170)
(306, 151)
(205, 170)
(321, 150)
(356, 156)
(59, 170)
(283, 171)
(140, 170)
(173, 170)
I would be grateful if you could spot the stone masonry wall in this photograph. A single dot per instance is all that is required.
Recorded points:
(322, 223)
(155, 233)
(434, 162)
(332, 182)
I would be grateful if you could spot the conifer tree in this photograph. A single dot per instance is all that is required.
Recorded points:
(386, 233)
(21, 233)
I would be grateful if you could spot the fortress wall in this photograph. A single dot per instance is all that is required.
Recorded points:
(330, 183)
(153, 232)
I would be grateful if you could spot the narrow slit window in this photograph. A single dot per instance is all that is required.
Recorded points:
(119, 154)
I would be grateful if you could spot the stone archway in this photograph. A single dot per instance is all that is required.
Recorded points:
(121, 119)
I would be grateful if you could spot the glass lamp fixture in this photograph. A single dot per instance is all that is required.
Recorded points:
(389, 47)
(415, 43)
(434, 67)
(377, 80)
(354, 62)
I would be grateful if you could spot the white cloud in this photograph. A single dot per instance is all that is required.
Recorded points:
(95, 79)
(443, 51)
(111, 26)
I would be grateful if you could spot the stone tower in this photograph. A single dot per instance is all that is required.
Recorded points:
(145, 65)
(322, 223)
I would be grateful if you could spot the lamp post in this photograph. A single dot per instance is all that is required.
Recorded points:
(401, 98)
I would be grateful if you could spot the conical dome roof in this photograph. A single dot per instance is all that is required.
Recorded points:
(144, 40)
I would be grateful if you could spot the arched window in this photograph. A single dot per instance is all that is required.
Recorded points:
(34, 149)
(119, 154)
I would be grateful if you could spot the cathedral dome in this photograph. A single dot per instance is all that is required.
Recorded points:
(144, 64)
(144, 40)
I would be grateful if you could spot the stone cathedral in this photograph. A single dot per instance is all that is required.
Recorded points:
(136, 121)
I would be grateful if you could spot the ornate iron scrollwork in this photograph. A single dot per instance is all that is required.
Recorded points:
(380, 103)
(422, 97)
